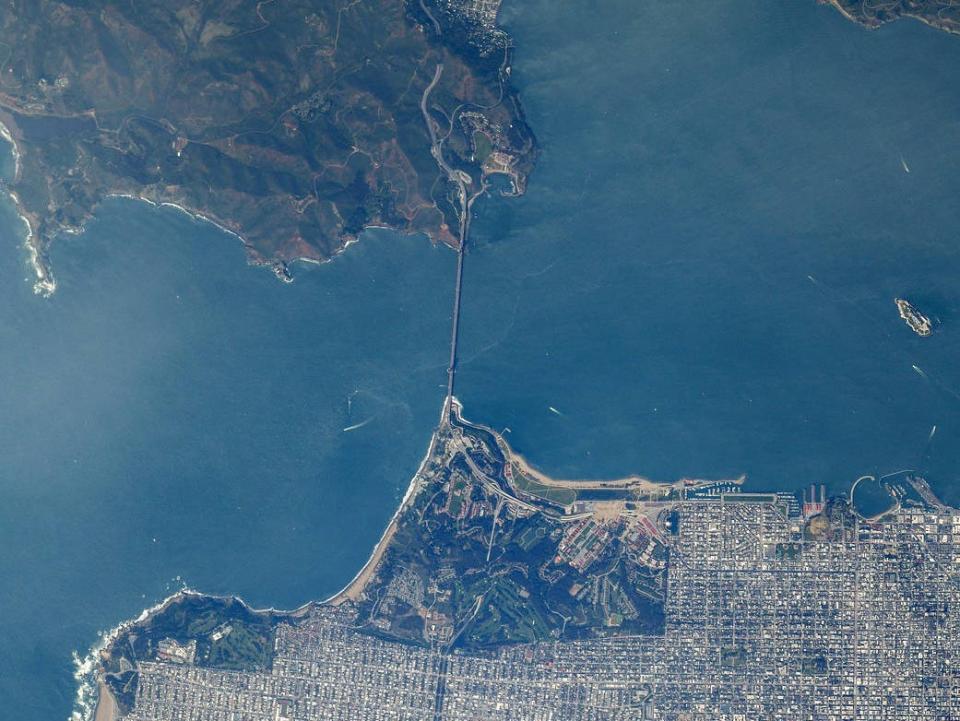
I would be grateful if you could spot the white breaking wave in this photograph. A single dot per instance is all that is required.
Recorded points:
(85, 667)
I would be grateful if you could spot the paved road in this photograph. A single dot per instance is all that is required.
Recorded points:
(455, 177)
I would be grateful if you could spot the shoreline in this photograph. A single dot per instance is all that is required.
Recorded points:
(877, 23)
(45, 284)
(278, 267)
(94, 700)
(194, 215)
(895, 506)
(87, 672)
(362, 577)
(7, 135)
(631, 482)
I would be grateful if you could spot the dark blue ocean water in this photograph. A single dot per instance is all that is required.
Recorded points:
(700, 281)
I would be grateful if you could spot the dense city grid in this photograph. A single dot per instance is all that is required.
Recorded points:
(764, 620)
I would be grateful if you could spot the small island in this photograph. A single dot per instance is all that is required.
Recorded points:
(917, 321)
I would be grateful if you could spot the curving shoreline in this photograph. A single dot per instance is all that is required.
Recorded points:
(44, 285)
(873, 18)
(95, 702)
(107, 708)
(356, 585)
(632, 482)
(88, 673)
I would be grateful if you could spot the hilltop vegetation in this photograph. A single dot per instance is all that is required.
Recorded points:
(295, 124)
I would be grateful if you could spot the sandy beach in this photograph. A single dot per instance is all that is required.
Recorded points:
(633, 482)
(107, 709)
(354, 589)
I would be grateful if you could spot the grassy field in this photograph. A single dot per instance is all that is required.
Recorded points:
(560, 496)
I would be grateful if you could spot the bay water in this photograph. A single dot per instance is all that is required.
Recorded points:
(699, 282)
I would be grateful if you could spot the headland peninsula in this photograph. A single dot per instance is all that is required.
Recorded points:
(293, 125)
